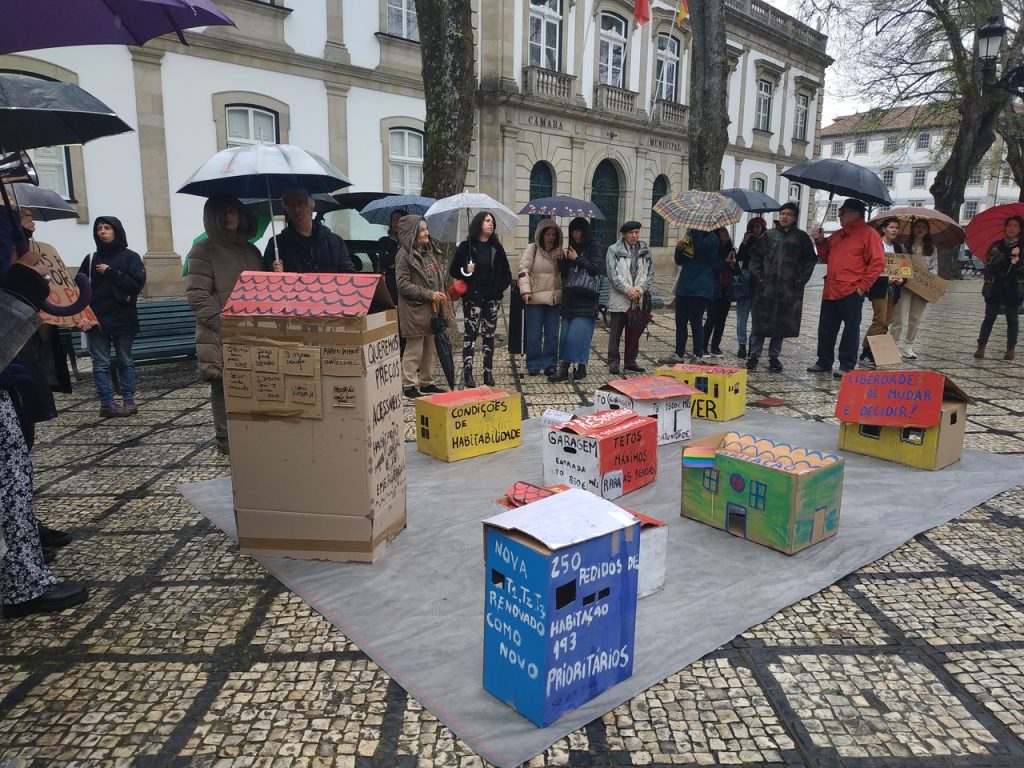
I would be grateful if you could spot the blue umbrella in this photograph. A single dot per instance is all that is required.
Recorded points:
(379, 211)
(752, 201)
(562, 205)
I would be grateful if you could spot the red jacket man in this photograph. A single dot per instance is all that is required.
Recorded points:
(855, 259)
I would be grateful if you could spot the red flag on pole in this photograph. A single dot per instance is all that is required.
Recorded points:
(642, 11)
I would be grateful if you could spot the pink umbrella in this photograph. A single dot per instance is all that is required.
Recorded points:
(987, 227)
(946, 233)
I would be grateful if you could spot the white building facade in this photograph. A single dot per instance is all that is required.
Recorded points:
(574, 99)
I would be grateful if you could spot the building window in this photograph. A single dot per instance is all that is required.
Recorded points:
(884, 207)
(402, 19)
(924, 140)
(612, 64)
(405, 159)
(970, 210)
(975, 177)
(660, 189)
(800, 118)
(763, 106)
(838, 148)
(667, 68)
(892, 143)
(54, 169)
(916, 203)
(861, 147)
(795, 193)
(920, 177)
(832, 212)
(758, 183)
(546, 34)
(250, 125)
(888, 177)
(1007, 176)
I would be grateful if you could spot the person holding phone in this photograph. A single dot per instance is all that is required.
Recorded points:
(1003, 288)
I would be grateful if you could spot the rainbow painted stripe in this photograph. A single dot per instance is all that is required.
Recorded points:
(698, 457)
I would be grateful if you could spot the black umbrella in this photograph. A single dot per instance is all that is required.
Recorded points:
(443, 344)
(840, 177)
(322, 203)
(44, 204)
(356, 201)
(752, 201)
(562, 205)
(44, 113)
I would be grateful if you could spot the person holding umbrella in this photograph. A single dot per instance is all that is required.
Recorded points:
(117, 276)
(582, 266)
(756, 227)
(855, 259)
(480, 260)
(1004, 286)
(214, 266)
(420, 288)
(698, 256)
(305, 245)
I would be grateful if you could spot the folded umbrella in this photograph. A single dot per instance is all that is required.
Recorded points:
(752, 201)
(946, 233)
(562, 205)
(379, 211)
(840, 177)
(44, 204)
(442, 343)
(696, 209)
(449, 217)
(987, 227)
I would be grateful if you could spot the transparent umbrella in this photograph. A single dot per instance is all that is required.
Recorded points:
(449, 217)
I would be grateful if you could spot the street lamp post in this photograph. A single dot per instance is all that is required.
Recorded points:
(990, 41)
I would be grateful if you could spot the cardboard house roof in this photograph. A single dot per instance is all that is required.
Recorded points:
(602, 423)
(465, 396)
(896, 398)
(652, 388)
(719, 370)
(564, 519)
(302, 294)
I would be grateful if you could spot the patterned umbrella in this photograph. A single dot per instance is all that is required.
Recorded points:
(695, 209)
(946, 233)
(987, 227)
(379, 211)
(562, 205)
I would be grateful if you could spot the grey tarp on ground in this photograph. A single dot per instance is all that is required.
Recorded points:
(418, 612)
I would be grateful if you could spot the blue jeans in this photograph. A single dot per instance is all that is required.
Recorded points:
(541, 336)
(742, 318)
(835, 312)
(577, 333)
(757, 344)
(99, 350)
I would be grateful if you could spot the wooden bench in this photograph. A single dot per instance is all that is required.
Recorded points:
(167, 331)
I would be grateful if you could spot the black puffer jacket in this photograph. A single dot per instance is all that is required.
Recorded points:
(115, 291)
(492, 275)
(322, 251)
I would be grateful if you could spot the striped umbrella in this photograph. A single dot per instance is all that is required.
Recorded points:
(695, 209)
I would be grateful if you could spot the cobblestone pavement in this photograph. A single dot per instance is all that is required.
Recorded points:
(190, 654)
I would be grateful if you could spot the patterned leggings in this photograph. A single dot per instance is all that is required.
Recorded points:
(23, 576)
(479, 319)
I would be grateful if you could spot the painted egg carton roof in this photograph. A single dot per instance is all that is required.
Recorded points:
(301, 294)
(762, 450)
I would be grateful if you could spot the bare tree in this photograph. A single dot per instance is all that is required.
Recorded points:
(449, 82)
(709, 108)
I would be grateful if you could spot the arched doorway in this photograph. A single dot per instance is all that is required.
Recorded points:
(657, 238)
(542, 184)
(605, 195)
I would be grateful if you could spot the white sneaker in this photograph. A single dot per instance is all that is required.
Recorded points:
(907, 353)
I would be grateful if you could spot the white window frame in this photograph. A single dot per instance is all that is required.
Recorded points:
(923, 172)
(53, 169)
(803, 104)
(832, 212)
(888, 176)
(924, 140)
(612, 40)
(252, 138)
(970, 210)
(667, 68)
(763, 105)
(406, 25)
(861, 141)
(796, 193)
(974, 179)
(758, 183)
(838, 147)
(916, 203)
(892, 144)
(405, 162)
(545, 53)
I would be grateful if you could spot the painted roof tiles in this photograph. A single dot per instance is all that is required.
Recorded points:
(301, 294)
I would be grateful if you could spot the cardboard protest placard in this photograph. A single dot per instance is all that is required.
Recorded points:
(891, 398)
(897, 265)
(884, 351)
(63, 291)
(927, 285)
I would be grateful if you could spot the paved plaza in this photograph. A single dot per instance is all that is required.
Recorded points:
(189, 653)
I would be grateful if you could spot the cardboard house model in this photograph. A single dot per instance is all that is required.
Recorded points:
(723, 391)
(560, 592)
(661, 397)
(312, 382)
(468, 422)
(775, 494)
(915, 418)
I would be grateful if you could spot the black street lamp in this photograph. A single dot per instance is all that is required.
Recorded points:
(990, 41)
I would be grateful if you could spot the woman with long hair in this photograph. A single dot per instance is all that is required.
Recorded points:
(579, 305)
(480, 260)
(910, 307)
(1004, 286)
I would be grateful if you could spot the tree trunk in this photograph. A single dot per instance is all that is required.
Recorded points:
(1011, 128)
(449, 82)
(709, 107)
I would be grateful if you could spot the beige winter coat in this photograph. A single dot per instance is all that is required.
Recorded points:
(213, 269)
(418, 273)
(539, 273)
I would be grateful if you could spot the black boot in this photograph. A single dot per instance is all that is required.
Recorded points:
(467, 377)
(562, 374)
(488, 378)
(579, 373)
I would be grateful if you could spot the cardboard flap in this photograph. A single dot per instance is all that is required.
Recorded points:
(652, 388)
(465, 396)
(594, 423)
(891, 398)
(951, 391)
(645, 521)
(306, 295)
(721, 370)
(564, 519)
